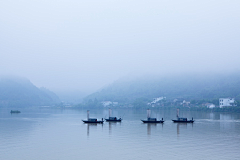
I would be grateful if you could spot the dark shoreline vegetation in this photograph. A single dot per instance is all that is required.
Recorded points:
(235, 109)
(141, 103)
(189, 87)
(198, 90)
(188, 92)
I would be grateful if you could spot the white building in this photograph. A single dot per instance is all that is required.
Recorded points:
(226, 102)
(155, 100)
(210, 105)
(108, 103)
(115, 103)
(185, 103)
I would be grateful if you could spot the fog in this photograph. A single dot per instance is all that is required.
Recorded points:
(75, 45)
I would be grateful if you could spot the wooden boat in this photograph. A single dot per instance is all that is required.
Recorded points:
(113, 119)
(151, 120)
(15, 111)
(92, 120)
(182, 120)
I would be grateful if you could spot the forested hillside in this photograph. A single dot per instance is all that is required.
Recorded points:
(20, 92)
(189, 87)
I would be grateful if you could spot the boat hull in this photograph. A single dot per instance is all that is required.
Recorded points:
(15, 111)
(180, 121)
(146, 121)
(109, 120)
(92, 121)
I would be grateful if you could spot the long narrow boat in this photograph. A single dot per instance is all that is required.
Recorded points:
(182, 120)
(151, 120)
(92, 120)
(112, 119)
(15, 111)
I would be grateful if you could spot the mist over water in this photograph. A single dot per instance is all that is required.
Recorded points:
(82, 46)
(117, 51)
(47, 133)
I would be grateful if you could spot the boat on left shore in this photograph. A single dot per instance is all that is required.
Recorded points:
(15, 111)
(92, 120)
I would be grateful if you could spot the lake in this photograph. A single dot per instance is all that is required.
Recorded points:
(60, 134)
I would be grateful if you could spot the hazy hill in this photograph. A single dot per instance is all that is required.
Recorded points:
(20, 92)
(191, 86)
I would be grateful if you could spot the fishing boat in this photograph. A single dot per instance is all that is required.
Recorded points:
(112, 119)
(15, 111)
(92, 120)
(151, 120)
(182, 120)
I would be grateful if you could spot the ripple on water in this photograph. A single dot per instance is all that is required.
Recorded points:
(65, 136)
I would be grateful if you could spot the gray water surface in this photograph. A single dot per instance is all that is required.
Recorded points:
(60, 134)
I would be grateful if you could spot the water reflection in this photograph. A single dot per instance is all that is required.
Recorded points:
(211, 115)
(110, 124)
(226, 122)
(226, 117)
(216, 116)
(151, 126)
(182, 125)
(15, 125)
(90, 125)
(222, 116)
(30, 132)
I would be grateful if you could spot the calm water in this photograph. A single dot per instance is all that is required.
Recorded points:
(59, 134)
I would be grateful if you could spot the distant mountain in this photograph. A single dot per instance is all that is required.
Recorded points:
(71, 96)
(20, 92)
(191, 86)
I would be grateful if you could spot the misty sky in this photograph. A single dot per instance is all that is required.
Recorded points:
(84, 45)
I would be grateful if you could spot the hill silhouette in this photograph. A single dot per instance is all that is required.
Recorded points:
(189, 87)
(20, 92)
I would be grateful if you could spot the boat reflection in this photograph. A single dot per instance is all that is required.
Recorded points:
(110, 126)
(182, 125)
(151, 126)
(91, 125)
